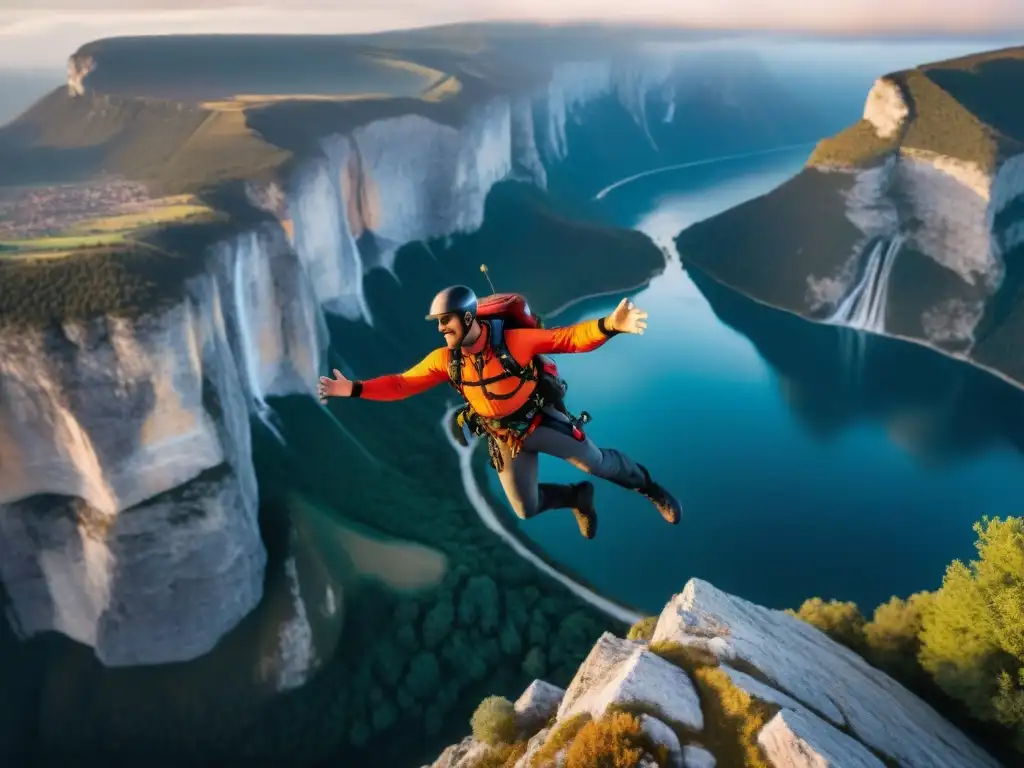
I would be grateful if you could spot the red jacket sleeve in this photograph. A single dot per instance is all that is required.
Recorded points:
(429, 372)
(581, 337)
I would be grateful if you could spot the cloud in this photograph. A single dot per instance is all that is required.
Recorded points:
(36, 33)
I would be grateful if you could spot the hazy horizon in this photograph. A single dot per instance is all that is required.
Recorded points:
(41, 34)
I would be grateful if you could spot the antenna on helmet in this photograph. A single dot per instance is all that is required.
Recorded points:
(483, 268)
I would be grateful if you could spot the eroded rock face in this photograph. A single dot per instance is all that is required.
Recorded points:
(801, 740)
(885, 108)
(697, 757)
(829, 680)
(128, 497)
(537, 704)
(660, 733)
(158, 583)
(619, 673)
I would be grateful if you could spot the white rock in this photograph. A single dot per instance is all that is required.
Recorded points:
(759, 690)
(533, 746)
(697, 757)
(660, 733)
(618, 672)
(800, 740)
(885, 108)
(538, 703)
(465, 754)
(146, 558)
(831, 680)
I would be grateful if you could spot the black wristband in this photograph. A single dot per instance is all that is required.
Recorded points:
(357, 389)
(602, 326)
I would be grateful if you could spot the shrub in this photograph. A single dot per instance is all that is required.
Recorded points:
(643, 629)
(614, 741)
(841, 621)
(560, 737)
(494, 721)
(501, 756)
(972, 638)
(732, 717)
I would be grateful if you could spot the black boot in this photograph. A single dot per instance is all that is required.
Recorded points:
(663, 501)
(579, 497)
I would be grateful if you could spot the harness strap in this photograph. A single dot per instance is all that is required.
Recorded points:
(511, 367)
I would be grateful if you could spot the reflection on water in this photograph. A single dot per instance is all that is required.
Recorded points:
(809, 459)
(833, 378)
(800, 453)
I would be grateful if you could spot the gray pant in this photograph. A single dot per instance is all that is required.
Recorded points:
(519, 475)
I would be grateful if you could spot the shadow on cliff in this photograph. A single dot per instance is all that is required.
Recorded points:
(939, 409)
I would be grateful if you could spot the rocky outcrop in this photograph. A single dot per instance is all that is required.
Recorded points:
(886, 108)
(831, 707)
(908, 224)
(128, 499)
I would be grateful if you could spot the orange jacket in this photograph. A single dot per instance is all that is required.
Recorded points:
(522, 344)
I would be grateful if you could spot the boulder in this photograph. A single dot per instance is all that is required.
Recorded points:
(532, 747)
(659, 733)
(795, 739)
(537, 704)
(620, 673)
(697, 757)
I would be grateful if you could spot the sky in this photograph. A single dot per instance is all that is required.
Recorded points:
(41, 34)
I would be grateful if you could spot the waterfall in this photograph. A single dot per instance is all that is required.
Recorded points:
(865, 305)
(245, 322)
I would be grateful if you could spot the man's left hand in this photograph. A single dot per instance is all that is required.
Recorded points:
(627, 318)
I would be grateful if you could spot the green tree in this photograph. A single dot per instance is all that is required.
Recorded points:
(389, 661)
(384, 716)
(463, 657)
(893, 636)
(423, 676)
(538, 628)
(972, 638)
(439, 620)
(478, 604)
(511, 643)
(841, 621)
(535, 665)
(576, 635)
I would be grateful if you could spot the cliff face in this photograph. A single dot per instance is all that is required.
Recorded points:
(129, 502)
(824, 705)
(906, 224)
(128, 511)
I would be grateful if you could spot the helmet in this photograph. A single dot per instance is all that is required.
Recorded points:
(454, 300)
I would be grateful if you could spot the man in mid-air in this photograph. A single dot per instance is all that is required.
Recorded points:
(502, 380)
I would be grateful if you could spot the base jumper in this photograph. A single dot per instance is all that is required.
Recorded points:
(514, 398)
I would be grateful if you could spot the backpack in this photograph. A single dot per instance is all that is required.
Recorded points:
(510, 311)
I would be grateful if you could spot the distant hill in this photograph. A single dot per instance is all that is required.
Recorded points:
(909, 223)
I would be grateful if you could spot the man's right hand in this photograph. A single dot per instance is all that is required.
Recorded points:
(339, 386)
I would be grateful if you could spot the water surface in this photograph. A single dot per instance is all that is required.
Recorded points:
(810, 460)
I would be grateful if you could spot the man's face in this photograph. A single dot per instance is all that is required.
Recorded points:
(451, 327)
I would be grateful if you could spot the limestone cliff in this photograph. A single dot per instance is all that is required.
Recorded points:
(128, 499)
(827, 706)
(909, 223)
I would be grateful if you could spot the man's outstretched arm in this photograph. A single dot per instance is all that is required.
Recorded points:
(429, 372)
(580, 337)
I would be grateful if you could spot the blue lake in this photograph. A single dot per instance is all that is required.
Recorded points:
(810, 460)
